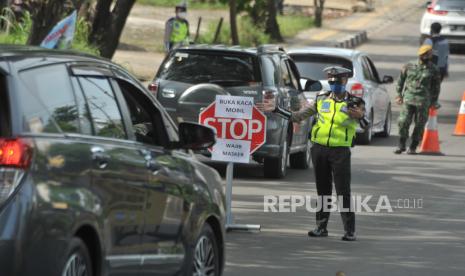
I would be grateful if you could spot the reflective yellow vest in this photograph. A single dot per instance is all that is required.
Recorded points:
(179, 31)
(334, 127)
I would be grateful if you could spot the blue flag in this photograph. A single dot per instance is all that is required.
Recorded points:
(62, 34)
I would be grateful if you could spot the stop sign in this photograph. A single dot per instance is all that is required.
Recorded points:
(252, 130)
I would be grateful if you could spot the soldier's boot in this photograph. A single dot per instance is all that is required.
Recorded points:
(413, 148)
(401, 148)
(318, 232)
(349, 236)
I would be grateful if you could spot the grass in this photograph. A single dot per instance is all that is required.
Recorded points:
(250, 35)
(291, 25)
(190, 5)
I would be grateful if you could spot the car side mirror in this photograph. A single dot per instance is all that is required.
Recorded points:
(195, 136)
(388, 79)
(312, 85)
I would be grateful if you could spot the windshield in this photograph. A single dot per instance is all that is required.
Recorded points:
(311, 66)
(451, 5)
(221, 68)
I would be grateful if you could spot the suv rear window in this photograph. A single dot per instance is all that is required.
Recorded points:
(221, 68)
(450, 5)
(48, 104)
(311, 66)
(4, 109)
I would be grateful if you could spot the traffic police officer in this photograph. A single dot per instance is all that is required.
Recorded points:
(337, 116)
(177, 28)
(417, 89)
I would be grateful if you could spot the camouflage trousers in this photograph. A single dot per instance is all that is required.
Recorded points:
(409, 113)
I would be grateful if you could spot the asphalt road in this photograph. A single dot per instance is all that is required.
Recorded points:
(409, 241)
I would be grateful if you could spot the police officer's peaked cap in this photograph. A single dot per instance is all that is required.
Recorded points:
(337, 72)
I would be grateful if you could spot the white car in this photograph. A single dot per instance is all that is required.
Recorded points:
(450, 14)
(365, 83)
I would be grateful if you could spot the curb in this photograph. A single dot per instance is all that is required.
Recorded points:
(353, 41)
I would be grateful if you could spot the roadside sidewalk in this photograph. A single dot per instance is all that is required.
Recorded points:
(353, 30)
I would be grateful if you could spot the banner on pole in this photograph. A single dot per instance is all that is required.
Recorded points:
(61, 36)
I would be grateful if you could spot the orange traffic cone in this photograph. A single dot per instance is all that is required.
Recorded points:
(460, 126)
(430, 143)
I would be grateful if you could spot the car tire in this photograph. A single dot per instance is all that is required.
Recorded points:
(365, 137)
(204, 258)
(302, 160)
(387, 124)
(276, 167)
(77, 261)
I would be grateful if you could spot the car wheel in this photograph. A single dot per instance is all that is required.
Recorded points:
(77, 261)
(364, 138)
(303, 159)
(277, 167)
(206, 258)
(387, 124)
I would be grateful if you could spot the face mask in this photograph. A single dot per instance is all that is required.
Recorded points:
(182, 15)
(337, 88)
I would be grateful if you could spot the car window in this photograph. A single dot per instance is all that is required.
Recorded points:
(311, 66)
(285, 76)
(103, 107)
(270, 71)
(147, 125)
(221, 68)
(84, 118)
(4, 109)
(373, 70)
(48, 104)
(450, 5)
(366, 69)
(294, 78)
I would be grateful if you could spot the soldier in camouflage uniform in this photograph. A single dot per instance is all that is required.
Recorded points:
(417, 90)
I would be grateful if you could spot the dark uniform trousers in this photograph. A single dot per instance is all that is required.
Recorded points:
(333, 163)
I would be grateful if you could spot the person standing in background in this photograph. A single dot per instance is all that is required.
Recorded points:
(177, 28)
(440, 51)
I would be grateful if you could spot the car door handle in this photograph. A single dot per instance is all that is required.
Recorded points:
(100, 157)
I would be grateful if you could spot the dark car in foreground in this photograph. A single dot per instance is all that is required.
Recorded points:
(95, 179)
(190, 78)
(364, 83)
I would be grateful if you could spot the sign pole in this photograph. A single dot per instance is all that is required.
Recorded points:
(230, 226)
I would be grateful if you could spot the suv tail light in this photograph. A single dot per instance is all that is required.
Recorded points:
(357, 90)
(15, 157)
(153, 87)
(14, 153)
(430, 9)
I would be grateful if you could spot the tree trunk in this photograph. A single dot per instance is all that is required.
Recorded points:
(272, 26)
(45, 14)
(232, 19)
(108, 25)
(318, 8)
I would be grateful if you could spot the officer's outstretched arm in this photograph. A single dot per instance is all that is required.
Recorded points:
(304, 113)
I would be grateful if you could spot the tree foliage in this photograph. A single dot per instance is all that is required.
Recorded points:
(263, 15)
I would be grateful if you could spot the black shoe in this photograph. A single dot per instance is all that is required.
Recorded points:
(399, 150)
(349, 236)
(412, 151)
(318, 232)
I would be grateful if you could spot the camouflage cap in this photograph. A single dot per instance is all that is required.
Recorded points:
(337, 72)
